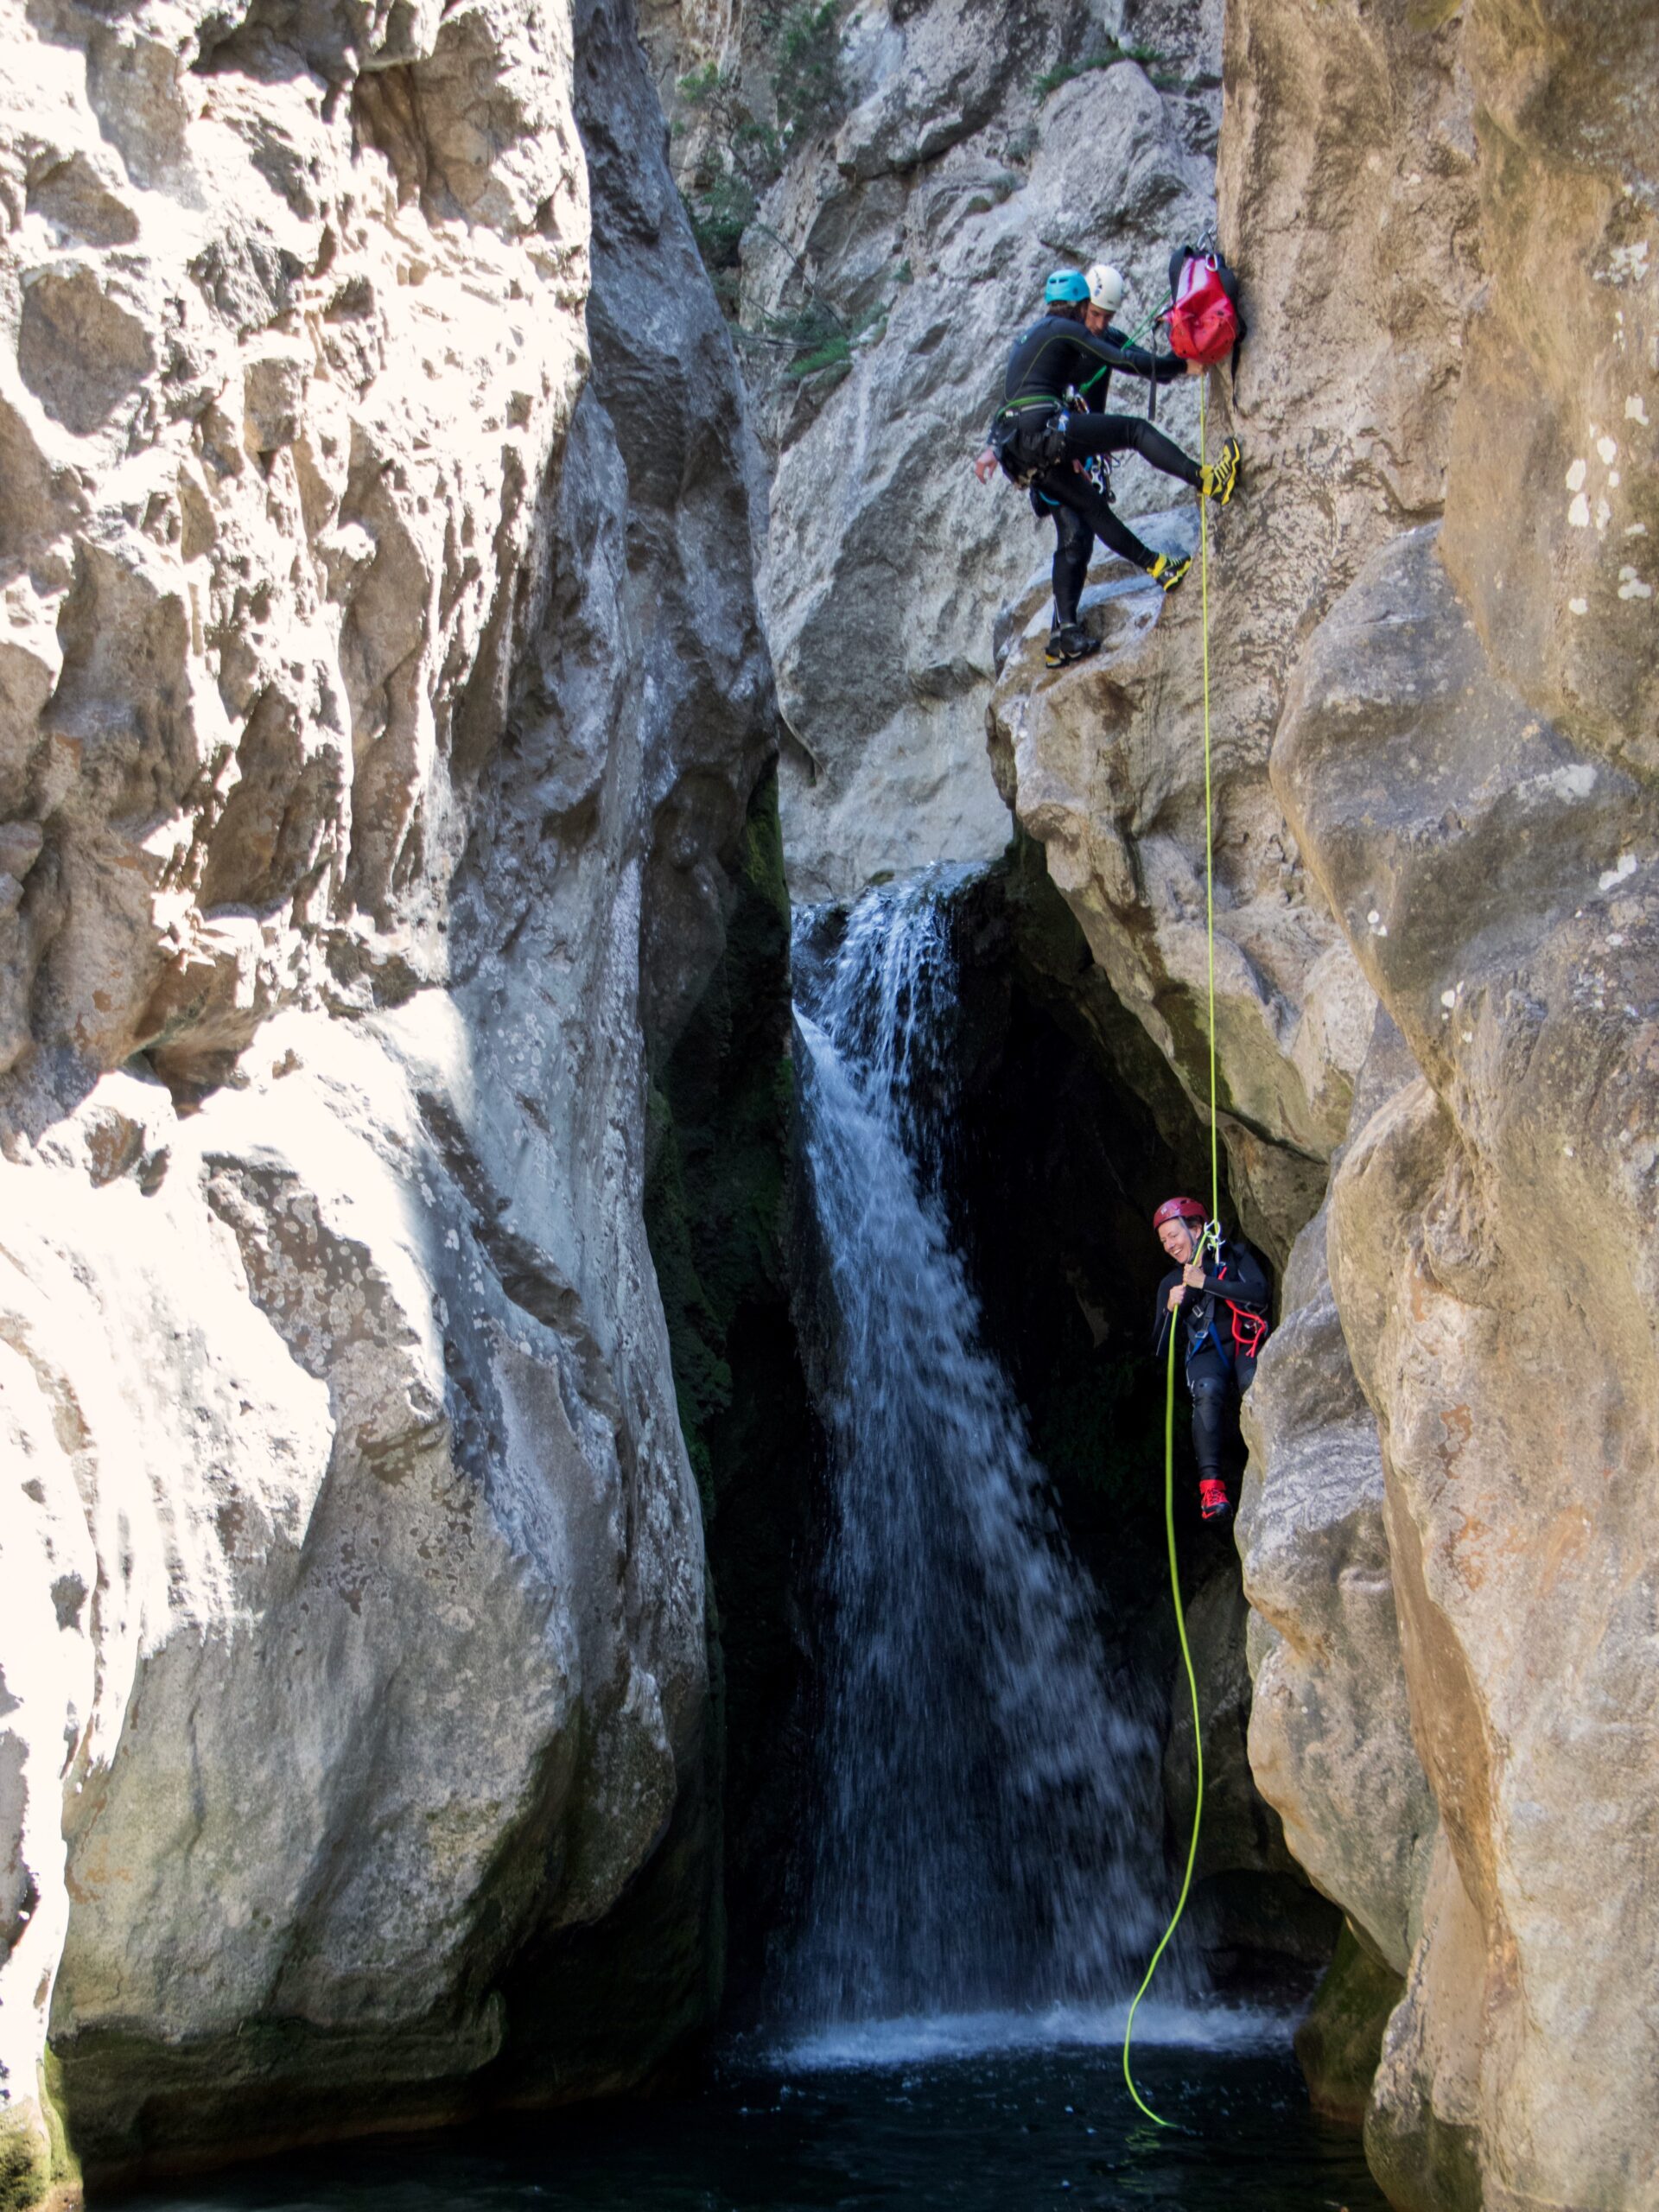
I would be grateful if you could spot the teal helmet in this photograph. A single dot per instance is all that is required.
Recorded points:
(1068, 284)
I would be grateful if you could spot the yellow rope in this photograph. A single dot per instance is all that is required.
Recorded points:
(1174, 1328)
(1209, 810)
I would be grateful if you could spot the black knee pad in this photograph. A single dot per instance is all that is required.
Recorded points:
(1210, 1397)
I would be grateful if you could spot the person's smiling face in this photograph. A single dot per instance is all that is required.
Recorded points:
(1177, 1239)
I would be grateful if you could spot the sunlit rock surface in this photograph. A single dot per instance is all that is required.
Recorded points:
(381, 712)
(1492, 1249)
(378, 715)
(925, 219)
(1104, 765)
(1433, 652)
(1330, 1743)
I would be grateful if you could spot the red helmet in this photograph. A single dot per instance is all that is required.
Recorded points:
(1178, 1209)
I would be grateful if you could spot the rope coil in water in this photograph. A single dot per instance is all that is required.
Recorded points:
(1211, 1233)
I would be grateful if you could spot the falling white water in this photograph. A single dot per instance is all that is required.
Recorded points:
(991, 1822)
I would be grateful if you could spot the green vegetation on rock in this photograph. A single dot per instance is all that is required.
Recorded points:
(37, 2167)
(1339, 2043)
(809, 85)
(1107, 58)
(25, 2165)
(791, 87)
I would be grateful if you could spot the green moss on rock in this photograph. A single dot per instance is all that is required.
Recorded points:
(1339, 2042)
(722, 1120)
(1424, 2163)
(37, 2167)
(25, 2173)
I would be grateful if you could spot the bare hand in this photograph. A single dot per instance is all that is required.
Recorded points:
(985, 464)
(1194, 369)
(1176, 1295)
(1193, 1275)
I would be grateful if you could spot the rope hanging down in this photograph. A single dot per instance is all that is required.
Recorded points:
(1211, 1236)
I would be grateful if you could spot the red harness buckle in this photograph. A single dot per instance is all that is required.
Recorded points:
(1249, 1330)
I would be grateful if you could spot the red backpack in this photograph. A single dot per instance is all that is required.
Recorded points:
(1203, 318)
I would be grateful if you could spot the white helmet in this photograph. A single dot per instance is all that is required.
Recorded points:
(1105, 287)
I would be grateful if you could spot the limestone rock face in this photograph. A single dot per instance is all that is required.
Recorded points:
(1433, 633)
(258, 590)
(1493, 1236)
(1330, 1743)
(1345, 180)
(379, 710)
(1104, 765)
(918, 228)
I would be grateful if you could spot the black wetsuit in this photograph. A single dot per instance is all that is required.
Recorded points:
(1053, 356)
(1215, 1370)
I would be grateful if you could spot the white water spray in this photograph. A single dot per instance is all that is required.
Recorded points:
(990, 1816)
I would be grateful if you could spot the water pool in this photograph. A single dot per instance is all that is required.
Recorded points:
(975, 2115)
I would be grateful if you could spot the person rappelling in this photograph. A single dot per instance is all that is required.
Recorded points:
(1052, 425)
(1220, 1308)
(1219, 1290)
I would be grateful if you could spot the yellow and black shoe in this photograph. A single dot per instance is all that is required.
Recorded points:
(1069, 641)
(1168, 570)
(1221, 476)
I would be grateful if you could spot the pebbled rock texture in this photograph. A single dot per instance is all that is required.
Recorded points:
(382, 694)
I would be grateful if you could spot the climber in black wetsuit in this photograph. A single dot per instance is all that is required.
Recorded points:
(1223, 1304)
(1041, 441)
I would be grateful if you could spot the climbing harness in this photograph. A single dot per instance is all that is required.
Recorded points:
(1209, 1240)
(1250, 1331)
(1027, 436)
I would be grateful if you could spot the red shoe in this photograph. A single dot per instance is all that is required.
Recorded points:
(1212, 1499)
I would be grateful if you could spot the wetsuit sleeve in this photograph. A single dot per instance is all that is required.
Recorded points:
(1160, 1311)
(1244, 1283)
(1157, 368)
(1134, 360)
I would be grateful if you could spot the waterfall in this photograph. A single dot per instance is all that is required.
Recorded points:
(990, 1821)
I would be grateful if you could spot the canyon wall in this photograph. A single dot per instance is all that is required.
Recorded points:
(384, 706)
(383, 716)
(1432, 664)
(962, 151)
(1434, 656)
